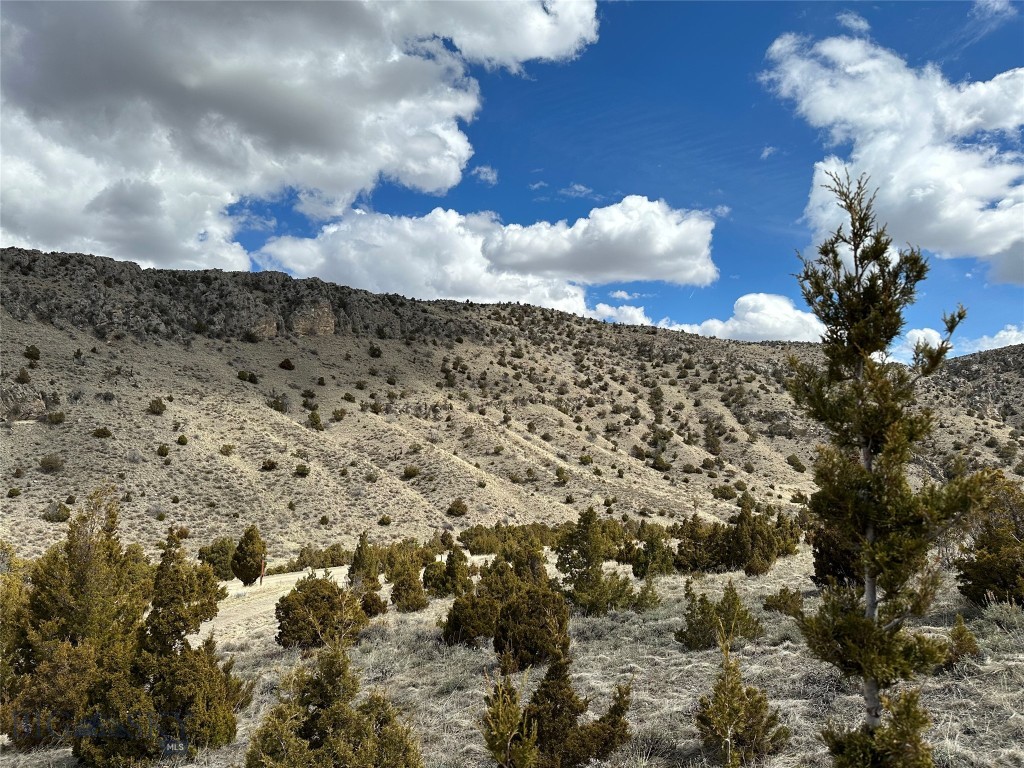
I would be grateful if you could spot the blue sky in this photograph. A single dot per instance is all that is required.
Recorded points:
(635, 162)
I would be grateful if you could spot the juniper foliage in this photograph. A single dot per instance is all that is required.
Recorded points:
(858, 287)
(735, 722)
(249, 557)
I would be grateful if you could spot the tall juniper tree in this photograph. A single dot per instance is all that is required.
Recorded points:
(859, 287)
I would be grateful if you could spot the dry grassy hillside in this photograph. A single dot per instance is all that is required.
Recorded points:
(443, 400)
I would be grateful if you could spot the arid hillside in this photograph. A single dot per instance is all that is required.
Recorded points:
(214, 401)
(524, 413)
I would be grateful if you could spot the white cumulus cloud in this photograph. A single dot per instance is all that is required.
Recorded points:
(1007, 336)
(447, 254)
(902, 349)
(130, 128)
(635, 239)
(623, 295)
(625, 314)
(758, 317)
(944, 156)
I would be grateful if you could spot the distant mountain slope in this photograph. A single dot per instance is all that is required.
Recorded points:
(441, 400)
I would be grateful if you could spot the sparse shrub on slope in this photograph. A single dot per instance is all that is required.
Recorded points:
(250, 555)
(51, 463)
(218, 556)
(318, 724)
(531, 628)
(458, 508)
(318, 611)
(56, 512)
(703, 619)
(991, 565)
(81, 602)
(562, 740)
(735, 722)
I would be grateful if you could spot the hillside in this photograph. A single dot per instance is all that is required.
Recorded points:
(526, 414)
(421, 403)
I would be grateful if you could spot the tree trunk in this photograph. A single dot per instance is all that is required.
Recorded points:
(872, 704)
(872, 698)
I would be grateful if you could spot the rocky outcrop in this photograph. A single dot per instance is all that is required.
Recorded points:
(117, 297)
(21, 401)
(314, 320)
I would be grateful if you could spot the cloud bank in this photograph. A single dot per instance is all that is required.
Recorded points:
(758, 317)
(447, 254)
(129, 128)
(944, 156)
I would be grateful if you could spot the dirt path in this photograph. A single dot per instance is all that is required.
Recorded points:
(249, 611)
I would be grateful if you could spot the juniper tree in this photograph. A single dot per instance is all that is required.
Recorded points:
(531, 628)
(546, 733)
(407, 593)
(317, 723)
(704, 618)
(509, 736)
(184, 596)
(318, 611)
(735, 721)
(364, 572)
(451, 577)
(858, 287)
(556, 709)
(992, 567)
(70, 617)
(249, 557)
(167, 696)
(218, 556)
(581, 555)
